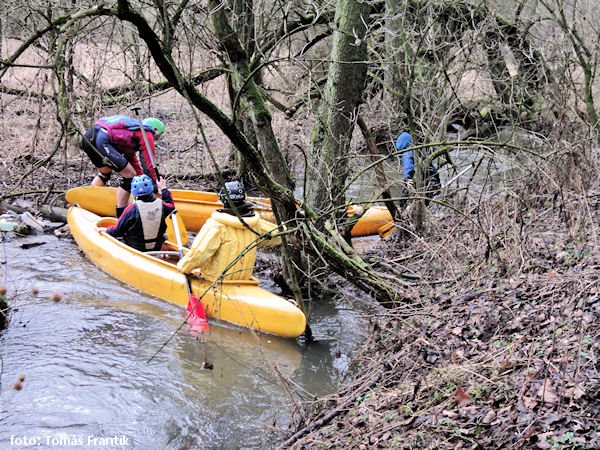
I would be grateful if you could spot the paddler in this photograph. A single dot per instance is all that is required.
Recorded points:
(113, 144)
(432, 177)
(143, 223)
(228, 233)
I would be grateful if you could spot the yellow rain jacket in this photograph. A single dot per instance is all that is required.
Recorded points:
(222, 238)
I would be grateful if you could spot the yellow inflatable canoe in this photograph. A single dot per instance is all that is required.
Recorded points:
(241, 303)
(195, 207)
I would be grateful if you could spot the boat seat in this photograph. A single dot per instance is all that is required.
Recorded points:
(162, 253)
(166, 255)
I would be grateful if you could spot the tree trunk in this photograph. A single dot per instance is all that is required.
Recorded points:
(379, 172)
(394, 70)
(249, 98)
(242, 21)
(327, 170)
(267, 163)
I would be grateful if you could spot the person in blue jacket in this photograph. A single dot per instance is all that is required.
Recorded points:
(143, 223)
(432, 177)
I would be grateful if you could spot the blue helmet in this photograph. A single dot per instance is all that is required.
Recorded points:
(142, 185)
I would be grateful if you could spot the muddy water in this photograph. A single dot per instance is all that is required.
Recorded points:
(89, 381)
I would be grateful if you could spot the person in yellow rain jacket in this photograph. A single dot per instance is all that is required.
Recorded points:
(223, 237)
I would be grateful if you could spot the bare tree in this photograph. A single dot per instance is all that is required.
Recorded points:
(432, 60)
(327, 169)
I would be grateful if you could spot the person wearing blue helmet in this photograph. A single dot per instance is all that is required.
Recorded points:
(432, 180)
(143, 223)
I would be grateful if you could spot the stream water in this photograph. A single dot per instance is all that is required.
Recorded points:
(483, 168)
(90, 380)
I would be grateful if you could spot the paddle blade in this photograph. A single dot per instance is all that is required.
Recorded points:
(197, 318)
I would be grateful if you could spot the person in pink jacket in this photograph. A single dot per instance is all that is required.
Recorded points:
(115, 143)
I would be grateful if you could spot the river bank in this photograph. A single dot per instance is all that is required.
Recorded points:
(498, 347)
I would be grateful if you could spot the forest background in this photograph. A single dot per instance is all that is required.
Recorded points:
(486, 329)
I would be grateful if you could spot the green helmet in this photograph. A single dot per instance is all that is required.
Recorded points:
(158, 126)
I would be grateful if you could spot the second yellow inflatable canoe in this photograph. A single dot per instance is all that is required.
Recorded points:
(195, 207)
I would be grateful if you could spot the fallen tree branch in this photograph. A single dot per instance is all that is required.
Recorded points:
(54, 213)
(33, 191)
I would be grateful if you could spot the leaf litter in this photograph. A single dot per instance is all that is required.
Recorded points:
(495, 351)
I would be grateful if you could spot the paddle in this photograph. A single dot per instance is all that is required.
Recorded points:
(170, 230)
(136, 109)
(195, 309)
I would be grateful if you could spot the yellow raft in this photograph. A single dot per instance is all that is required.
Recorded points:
(195, 207)
(241, 302)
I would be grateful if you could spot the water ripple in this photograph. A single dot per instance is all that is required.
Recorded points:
(86, 362)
